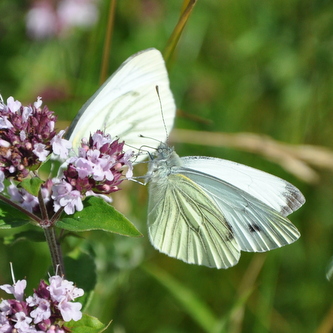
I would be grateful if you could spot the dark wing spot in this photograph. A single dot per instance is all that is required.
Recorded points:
(229, 226)
(254, 228)
(295, 199)
(230, 235)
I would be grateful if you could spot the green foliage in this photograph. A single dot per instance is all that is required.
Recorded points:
(81, 268)
(188, 299)
(98, 215)
(31, 235)
(32, 185)
(11, 217)
(87, 324)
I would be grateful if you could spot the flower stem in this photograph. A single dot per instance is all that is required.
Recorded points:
(55, 250)
(21, 209)
(51, 238)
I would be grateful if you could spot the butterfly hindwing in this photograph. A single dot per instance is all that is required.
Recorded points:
(185, 223)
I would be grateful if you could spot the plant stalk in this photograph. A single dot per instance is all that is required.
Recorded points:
(55, 250)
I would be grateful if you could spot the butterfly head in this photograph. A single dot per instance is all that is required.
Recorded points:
(162, 163)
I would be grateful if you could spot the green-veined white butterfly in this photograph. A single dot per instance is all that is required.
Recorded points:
(205, 210)
(127, 104)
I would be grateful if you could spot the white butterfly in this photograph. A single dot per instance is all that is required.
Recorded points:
(127, 104)
(205, 210)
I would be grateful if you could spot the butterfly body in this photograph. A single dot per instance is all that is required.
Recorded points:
(205, 210)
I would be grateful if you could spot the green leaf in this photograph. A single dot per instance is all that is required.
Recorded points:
(31, 235)
(32, 185)
(178, 30)
(81, 269)
(87, 324)
(10, 217)
(98, 215)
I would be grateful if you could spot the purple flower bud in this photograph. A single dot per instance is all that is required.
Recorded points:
(18, 306)
(45, 325)
(43, 291)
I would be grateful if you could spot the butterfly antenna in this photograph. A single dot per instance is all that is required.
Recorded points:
(162, 114)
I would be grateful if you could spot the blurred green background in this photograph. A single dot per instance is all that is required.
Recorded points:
(258, 66)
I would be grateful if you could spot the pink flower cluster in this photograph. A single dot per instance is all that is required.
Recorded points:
(96, 171)
(44, 311)
(28, 137)
(49, 18)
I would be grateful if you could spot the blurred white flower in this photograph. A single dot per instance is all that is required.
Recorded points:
(42, 20)
(46, 19)
(80, 13)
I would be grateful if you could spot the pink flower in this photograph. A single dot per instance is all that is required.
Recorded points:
(40, 151)
(64, 291)
(22, 197)
(64, 196)
(42, 20)
(22, 321)
(60, 146)
(42, 311)
(17, 289)
(70, 311)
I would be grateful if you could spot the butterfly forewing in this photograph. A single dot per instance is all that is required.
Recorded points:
(256, 226)
(185, 223)
(127, 104)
